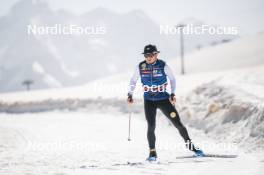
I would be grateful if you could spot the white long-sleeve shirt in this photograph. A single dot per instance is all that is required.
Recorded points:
(136, 75)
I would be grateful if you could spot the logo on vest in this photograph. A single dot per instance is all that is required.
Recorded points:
(157, 73)
(143, 66)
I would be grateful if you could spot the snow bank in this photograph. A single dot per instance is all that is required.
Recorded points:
(70, 104)
(228, 111)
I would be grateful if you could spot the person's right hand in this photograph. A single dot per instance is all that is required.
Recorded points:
(173, 99)
(130, 98)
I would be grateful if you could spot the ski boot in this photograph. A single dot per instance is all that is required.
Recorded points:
(198, 152)
(152, 155)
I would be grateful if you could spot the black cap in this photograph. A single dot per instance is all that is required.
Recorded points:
(150, 49)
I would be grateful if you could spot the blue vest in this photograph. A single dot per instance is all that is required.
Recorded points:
(154, 80)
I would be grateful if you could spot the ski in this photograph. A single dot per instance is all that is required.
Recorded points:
(128, 163)
(157, 162)
(209, 155)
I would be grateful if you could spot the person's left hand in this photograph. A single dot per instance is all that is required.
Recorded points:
(173, 99)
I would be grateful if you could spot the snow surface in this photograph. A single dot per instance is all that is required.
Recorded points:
(87, 142)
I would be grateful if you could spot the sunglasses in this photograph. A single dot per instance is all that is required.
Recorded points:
(149, 55)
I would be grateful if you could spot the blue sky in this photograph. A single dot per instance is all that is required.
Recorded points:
(245, 14)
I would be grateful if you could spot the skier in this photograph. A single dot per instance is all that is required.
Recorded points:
(153, 73)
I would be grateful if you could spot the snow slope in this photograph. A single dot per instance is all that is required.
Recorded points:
(245, 52)
(242, 53)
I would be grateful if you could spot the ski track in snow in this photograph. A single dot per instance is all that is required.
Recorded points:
(80, 142)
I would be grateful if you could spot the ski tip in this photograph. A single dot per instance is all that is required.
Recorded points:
(222, 155)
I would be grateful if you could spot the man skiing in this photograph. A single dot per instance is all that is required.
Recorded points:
(153, 73)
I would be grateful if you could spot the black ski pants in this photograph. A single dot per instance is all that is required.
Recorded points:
(169, 111)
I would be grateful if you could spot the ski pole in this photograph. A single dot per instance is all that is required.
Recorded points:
(129, 122)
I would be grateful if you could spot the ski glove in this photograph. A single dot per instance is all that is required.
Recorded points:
(172, 99)
(129, 98)
(172, 96)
